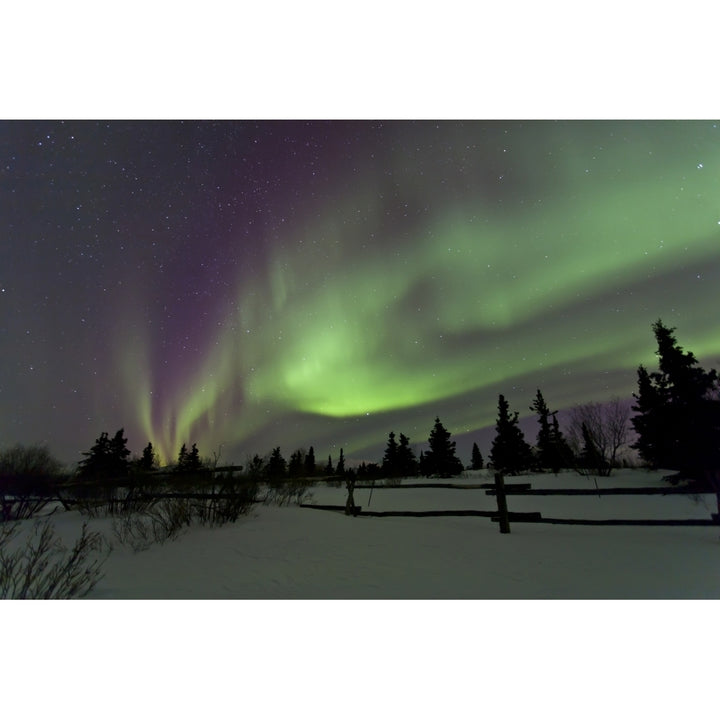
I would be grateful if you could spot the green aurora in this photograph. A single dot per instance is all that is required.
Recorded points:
(552, 285)
(244, 285)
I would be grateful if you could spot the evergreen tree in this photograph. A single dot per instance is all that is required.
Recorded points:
(310, 462)
(544, 440)
(407, 462)
(441, 459)
(390, 459)
(509, 453)
(148, 461)
(119, 454)
(329, 467)
(553, 452)
(96, 462)
(182, 457)
(591, 458)
(188, 461)
(340, 469)
(649, 423)
(295, 466)
(276, 467)
(108, 458)
(562, 455)
(194, 462)
(678, 412)
(476, 460)
(255, 467)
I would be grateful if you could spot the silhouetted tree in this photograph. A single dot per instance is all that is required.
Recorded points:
(562, 456)
(368, 471)
(108, 458)
(256, 467)
(509, 453)
(276, 467)
(26, 470)
(188, 461)
(148, 460)
(553, 452)
(441, 459)
(295, 466)
(544, 450)
(390, 459)
(407, 462)
(310, 462)
(678, 412)
(591, 458)
(476, 459)
(606, 424)
(329, 467)
(340, 469)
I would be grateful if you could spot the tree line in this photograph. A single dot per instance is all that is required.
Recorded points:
(676, 422)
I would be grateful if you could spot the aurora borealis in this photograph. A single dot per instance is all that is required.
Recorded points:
(251, 284)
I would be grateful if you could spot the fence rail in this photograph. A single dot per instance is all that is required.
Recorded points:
(503, 516)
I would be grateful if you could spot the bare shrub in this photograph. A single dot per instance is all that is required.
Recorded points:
(169, 517)
(45, 569)
(14, 508)
(155, 524)
(606, 427)
(166, 518)
(29, 475)
(293, 491)
(227, 502)
(134, 530)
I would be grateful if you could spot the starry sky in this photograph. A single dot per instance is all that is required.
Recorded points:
(248, 284)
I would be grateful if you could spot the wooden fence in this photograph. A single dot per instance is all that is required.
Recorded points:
(504, 517)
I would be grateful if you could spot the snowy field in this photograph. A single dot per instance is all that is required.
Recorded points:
(388, 659)
(299, 553)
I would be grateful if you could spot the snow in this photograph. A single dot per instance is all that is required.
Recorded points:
(301, 553)
(271, 659)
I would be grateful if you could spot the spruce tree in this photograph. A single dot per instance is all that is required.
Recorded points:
(441, 459)
(295, 466)
(476, 460)
(553, 452)
(310, 462)
(188, 461)
(591, 458)
(329, 467)
(119, 454)
(276, 467)
(544, 437)
(340, 469)
(390, 459)
(194, 462)
(148, 461)
(96, 462)
(407, 462)
(107, 459)
(510, 453)
(182, 457)
(562, 455)
(678, 413)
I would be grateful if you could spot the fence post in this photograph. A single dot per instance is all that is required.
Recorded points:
(350, 502)
(504, 520)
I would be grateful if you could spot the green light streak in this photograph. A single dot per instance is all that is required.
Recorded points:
(473, 296)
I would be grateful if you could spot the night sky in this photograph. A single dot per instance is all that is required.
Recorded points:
(243, 285)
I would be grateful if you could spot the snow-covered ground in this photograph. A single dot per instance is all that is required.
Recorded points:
(388, 659)
(293, 552)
